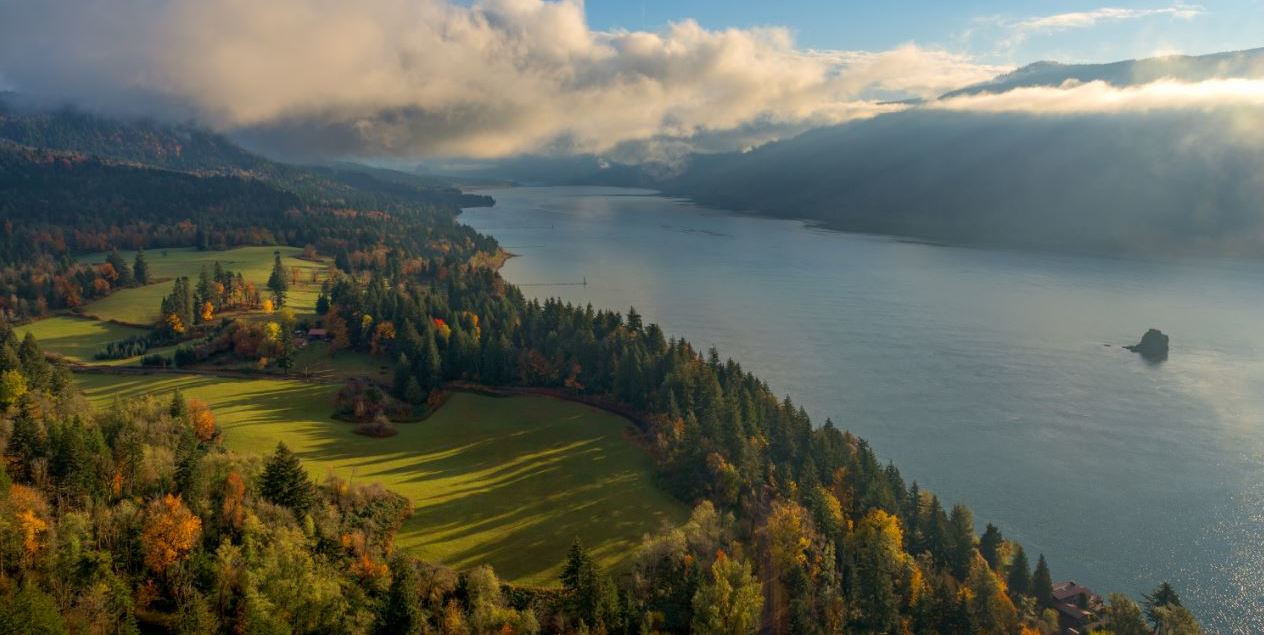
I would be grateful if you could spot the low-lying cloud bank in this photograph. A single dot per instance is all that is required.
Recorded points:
(413, 78)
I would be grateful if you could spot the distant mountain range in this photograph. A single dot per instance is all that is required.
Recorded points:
(1155, 183)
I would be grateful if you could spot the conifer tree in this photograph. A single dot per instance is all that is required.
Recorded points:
(989, 546)
(1042, 584)
(1019, 578)
(285, 482)
(277, 281)
(141, 268)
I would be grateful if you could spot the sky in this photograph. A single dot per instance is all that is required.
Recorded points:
(994, 31)
(631, 80)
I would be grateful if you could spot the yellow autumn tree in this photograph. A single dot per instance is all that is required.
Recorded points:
(267, 305)
(208, 311)
(170, 532)
(201, 420)
(273, 331)
(175, 324)
(30, 513)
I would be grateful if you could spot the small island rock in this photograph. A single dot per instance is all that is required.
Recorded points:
(1153, 346)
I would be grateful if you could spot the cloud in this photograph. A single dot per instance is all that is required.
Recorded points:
(1235, 105)
(1012, 32)
(412, 78)
(1085, 19)
(1099, 97)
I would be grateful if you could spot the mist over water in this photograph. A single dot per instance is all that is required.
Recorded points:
(984, 375)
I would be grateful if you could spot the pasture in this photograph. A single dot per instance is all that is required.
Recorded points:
(508, 481)
(141, 305)
(75, 338)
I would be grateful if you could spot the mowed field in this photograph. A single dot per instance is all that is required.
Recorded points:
(76, 338)
(141, 305)
(506, 481)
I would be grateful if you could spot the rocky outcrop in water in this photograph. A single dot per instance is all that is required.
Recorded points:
(1153, 346)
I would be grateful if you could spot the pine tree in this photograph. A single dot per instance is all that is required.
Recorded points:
(277, 281)
(989, 546)
(1163, 596)
(403, 613)
(178, 408)
(285, 482)
(962, 540)
(121, 268)
(1042, 584)
(428, 365)
(140, 268)
(1020, 573)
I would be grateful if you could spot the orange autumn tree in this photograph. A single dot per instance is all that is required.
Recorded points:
(231, 510)
(208, 311)
(170, 532)
(201, 420)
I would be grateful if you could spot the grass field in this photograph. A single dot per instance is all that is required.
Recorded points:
(141, 305)
(505, 481)
(75, 338)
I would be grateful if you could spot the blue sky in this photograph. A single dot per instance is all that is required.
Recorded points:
(993, 31)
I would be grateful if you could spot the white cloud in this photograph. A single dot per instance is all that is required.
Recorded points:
(1237, 103)
(1085, 19)
(432, 77)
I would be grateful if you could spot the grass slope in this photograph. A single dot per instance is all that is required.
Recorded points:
(504, 481)
(141, 305)
(75, 338)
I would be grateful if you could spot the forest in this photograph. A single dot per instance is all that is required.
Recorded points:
(136, 517)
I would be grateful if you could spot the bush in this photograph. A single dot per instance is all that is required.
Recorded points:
(184, 356)
(124, 348)
(156, 361)
(379, 427)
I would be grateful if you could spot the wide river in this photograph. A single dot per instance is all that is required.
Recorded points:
(994, 378)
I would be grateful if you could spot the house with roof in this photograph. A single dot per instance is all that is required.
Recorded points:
(1078, 608)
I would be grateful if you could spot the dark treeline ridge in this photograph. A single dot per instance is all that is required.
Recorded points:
(137, 519)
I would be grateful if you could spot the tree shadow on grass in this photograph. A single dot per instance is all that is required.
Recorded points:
(506, 486)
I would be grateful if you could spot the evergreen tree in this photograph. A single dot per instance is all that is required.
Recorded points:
(178, 408)
(1042, 584)
(121, 268)
(403, 614)
(427, 368)
(277, 281)
(1162, 596)
(285, 482)
(989, 546)
(141, 268)
(962, 540)
(1019, 578)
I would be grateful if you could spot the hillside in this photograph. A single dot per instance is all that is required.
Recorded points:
(1155, 183)
(1249, 64)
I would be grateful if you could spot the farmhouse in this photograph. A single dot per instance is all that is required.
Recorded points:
(1077, 606)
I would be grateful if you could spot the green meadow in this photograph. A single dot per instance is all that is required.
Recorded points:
(76, 338)
(141, 305)
(506, 481)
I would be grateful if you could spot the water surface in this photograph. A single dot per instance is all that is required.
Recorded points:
(984, 375)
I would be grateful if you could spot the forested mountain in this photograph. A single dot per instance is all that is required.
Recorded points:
(1154, 182)
(1249, 64)
(1122, 184)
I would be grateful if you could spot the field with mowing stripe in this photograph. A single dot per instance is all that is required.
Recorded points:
(506, 481)
(75, 338)
(141, 305)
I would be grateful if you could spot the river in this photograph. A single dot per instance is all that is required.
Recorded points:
(993, 377)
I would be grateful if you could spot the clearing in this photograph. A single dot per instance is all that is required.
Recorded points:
(508, 481)
(140, 305)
